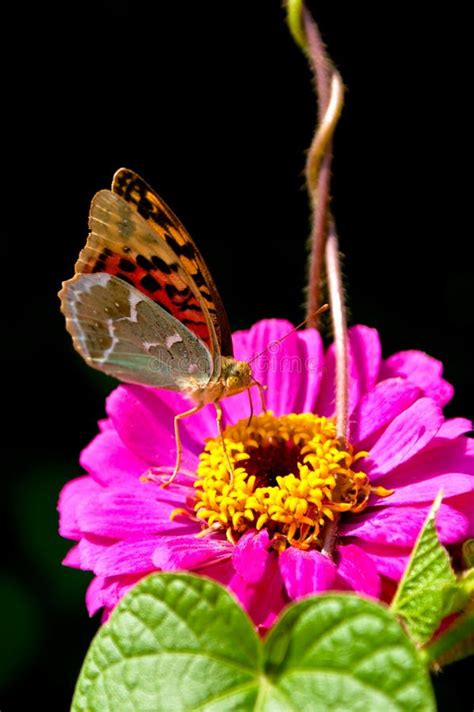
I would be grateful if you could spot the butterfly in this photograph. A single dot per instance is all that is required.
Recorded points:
(143, 307)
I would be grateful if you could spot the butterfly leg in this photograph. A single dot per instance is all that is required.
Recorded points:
(230, 467)
(177, 437)
(261, 392)
(249, 393)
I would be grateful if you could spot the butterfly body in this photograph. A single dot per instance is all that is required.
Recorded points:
(235, 377)
(142, 305)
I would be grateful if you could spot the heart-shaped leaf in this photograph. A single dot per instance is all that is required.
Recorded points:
(342, 652)
(176, 642)
(181, 642)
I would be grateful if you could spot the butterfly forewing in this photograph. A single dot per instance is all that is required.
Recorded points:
(121, 243)
(122, 332)
(170, 230)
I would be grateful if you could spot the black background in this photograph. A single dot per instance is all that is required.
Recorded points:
(212, 104)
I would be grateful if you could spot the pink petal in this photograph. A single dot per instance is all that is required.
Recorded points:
(450, 468)
(450, 430)
(108, 460)
(73, 558)
(400, 526)
(311, 345)
(122, 514)
(356, 569)
(126, 557)
(94, 595)
(250, 555)
(389, 561)
(465, 504)
(189, 553)
(367, 353)
(423, 370)
(72, 495)
(90, 548)
(107, 591)
(415, 492)
(287, 368)
(392, 567)
(263, 600)
(406, 435)
(201, 424)
(143, 418)
(380, 406)
(306, 572)
(364, 365)
(326, 402)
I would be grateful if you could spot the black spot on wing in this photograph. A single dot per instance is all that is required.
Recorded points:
(185, 306)
(191, 322)
(161, 265)
(174, 244)
(173, 291)
(206, 296)
(145, 263)
(199, 280)
(99, 266)
(149, 283)
(186, 249)
(161, 219)
(126, 265)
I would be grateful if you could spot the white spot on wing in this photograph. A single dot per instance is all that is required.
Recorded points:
(172, 339)
(134, 300)
(151, 344)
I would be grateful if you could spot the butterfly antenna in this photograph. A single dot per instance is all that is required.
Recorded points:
(321, 310)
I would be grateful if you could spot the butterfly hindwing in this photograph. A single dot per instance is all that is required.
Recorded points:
(170, 230)
(122, 332)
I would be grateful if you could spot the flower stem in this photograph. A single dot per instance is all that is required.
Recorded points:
(341, 344)
(323, 240)
(339, 324)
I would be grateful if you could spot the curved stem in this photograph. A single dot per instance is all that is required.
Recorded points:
(318, 179)
(329, 91)
(321, 143)
(294, 14)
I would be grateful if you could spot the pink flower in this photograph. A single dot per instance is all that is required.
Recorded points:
(269, 551)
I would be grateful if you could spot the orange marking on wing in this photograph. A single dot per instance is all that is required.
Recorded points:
(167, 290)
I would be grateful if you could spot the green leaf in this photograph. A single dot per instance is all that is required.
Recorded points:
(455, 643)
(175, 642)
(421, 598)
(456, 596)
(342, 652)
(466, 582)
(180, 642)
(468, 553)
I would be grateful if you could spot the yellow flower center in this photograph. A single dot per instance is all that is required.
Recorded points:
(289, 475)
